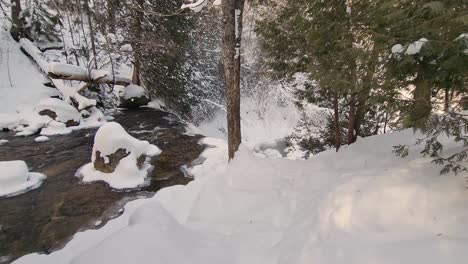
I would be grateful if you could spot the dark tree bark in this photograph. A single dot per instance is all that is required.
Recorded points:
(337, 121)
(91, 32)
(16, 30)
(111, 10)
(232, 31)
(447, 100)
(422, 106)
(352, 119)
(136, 38)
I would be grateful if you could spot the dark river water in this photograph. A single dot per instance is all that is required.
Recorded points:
(44, 219)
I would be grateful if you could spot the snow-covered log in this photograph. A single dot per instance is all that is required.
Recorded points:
(78, 73)
(70, 72)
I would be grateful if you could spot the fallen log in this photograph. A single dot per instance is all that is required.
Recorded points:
(69, 94)
(70, 72)
(77, 73)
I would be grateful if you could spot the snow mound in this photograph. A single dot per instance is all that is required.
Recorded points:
(42, 139)
(64, 111)
(133, 91)
(109, 139)
(361, 205)
(3, 141)
(15, 178)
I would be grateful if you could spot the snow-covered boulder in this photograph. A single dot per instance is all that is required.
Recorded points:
(134, 96)
(118, 158)
(59, 111)
(15, 178)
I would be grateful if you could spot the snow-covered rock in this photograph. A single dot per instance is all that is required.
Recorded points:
(118, 158)
(134, 96)
(41, 139)
(3, 141)
(59, 111)
(15, 178)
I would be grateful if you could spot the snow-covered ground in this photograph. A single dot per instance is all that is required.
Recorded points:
(21, 83)
(15, 178)
(361, 205)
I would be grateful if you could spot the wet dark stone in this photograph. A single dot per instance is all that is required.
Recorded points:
(134, 102)
(100, 163)
(44, 219)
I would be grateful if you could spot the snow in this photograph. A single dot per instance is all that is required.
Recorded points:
(3, 141)
(415, 47)
(361, 205)
(26, 87)
(16, 179)
(110, 138)
(398, 48)
(41, 139)
(133, 91)
(64, 111)
(196, 6)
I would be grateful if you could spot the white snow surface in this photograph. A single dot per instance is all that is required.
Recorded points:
(415, 47)
(41, 139)
(16, 179)
(133, 91)
(21, 83)
(3, 141)
(361, 205)
(109, 138)
(64, 111)
(195, 5)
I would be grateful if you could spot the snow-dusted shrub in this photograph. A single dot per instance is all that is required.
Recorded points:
(118, 158)
(15, 178)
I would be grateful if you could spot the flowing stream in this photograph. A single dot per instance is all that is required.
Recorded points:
(43, 220)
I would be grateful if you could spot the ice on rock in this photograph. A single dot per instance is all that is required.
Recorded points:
(130, 171)
(15, 178)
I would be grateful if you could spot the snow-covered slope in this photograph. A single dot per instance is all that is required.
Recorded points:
(21, 83)
(362, 205)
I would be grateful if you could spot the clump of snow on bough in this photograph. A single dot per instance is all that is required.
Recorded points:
(16, 179)
(118, 158)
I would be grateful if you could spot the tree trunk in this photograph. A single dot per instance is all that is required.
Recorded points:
(232, 31)
(336, 121)
(136, 40)
(447, 100)
(16, 30)
(421, 108)
(352, 119)
(91, 32)
(111, 10)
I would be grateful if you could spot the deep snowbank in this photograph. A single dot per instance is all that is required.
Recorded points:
(362, 205)
(15, 178)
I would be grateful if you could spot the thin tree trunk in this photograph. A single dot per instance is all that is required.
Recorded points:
(111, 10)
(352, 119)
(447, 100)
(336, 121)
(232, 31)
(16, 30)
(136, 39)
(91, 32)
